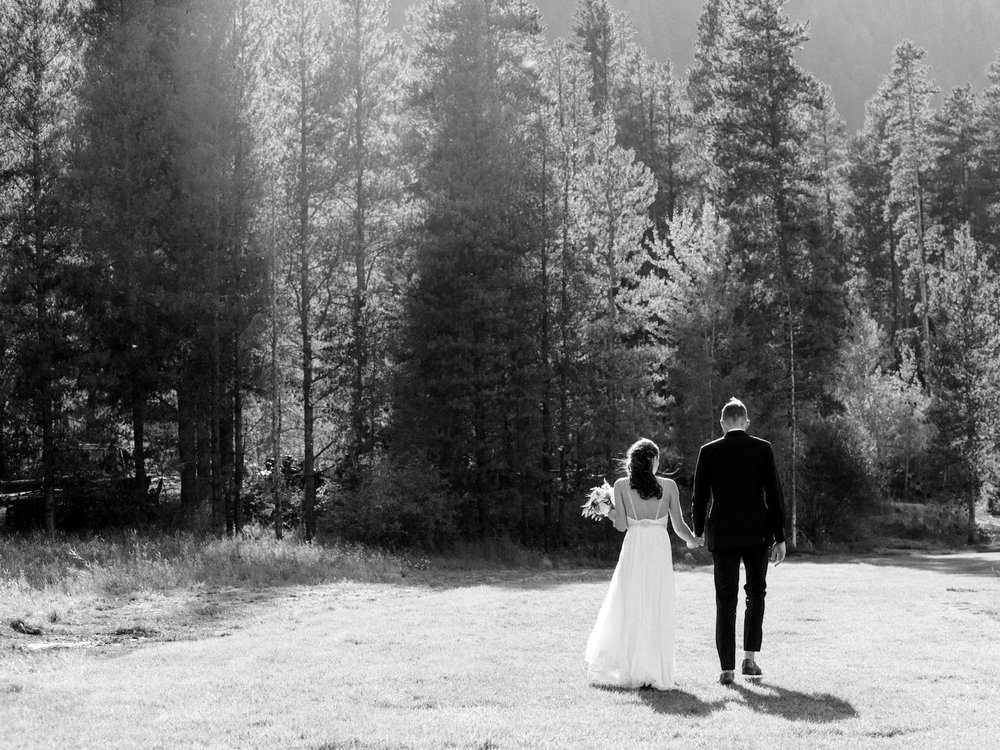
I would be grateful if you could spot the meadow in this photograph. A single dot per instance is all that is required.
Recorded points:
(257, 644)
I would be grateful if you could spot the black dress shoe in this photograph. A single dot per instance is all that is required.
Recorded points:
(726, 678)
(750, 669)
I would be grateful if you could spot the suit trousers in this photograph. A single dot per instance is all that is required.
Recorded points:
(727, 585)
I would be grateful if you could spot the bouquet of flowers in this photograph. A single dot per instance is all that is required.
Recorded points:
(600, 502)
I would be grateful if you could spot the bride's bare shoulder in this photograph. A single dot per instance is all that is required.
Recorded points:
(667, 483)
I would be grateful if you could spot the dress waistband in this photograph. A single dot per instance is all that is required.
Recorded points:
(647, 522)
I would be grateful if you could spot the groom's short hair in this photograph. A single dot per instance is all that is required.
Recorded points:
(734, 410)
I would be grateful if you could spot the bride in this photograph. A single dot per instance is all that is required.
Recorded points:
(632, 644)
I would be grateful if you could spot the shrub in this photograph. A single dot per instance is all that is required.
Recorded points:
(837, 492)
(393, 504)
(259, 497)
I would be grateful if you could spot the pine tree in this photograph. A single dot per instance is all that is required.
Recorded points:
(957, 191)
(614, 195)
(306, 84)
(700, 301)
(216, 72)
(597, 30)
(764, 189)
(826, 157)
(466, 379)
(907, 93)
(40, 69)
(369, 150)
(127, 184)
(966, 306)
(874, 241)
(654, 121)
(986, 132)
(568, 79)
(706, 56)
(248, 291)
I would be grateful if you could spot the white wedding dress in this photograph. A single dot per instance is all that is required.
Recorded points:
(632, 643)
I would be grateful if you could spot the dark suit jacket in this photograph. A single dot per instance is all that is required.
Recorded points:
(738, 474)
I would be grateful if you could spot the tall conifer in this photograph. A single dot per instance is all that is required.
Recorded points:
(39, 69)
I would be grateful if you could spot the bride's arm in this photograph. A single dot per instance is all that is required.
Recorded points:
(676, 518)
(619, 511)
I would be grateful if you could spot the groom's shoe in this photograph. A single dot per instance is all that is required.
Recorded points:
(750, 668)
(726, 678)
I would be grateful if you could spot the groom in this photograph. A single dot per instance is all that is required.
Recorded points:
(746, 523)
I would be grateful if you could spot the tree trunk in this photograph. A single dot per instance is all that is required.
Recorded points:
(309, 477)
(546, 374)
(563, 369)
(276, 477)
(925, 308)
(360, 442)
(308, 415)
(138, 447)
(239, 447)
(36, 262)
(305, 301)
(227, 463)
(478, 438)
(204, 454)
(794, 462)
(215, 412)
(970, 450)
(546, 462)
(48, 466)
(610, 379)
(896, 279)
(972, 529)
(4, 470)
(187, 449)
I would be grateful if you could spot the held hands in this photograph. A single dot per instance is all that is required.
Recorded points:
(698, 541)
(777, 553)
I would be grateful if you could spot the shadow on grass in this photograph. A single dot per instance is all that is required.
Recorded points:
(815, 708)
(522, 580)
(959, 563)
(526, 579)
(967, 562)
(675, 702)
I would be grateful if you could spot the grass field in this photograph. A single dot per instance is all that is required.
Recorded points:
(899, 651)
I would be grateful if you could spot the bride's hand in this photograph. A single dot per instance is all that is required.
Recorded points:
(695, 543)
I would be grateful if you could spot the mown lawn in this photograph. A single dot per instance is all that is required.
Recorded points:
(890, 652)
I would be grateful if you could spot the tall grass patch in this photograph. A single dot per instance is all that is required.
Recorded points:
(122, 563)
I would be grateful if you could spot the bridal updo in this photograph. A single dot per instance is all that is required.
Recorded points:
(639, 465)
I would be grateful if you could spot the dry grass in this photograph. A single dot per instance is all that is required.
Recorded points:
(79, 587)
(894, 652)
(123, 562)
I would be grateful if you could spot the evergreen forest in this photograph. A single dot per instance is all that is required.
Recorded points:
(280, 262)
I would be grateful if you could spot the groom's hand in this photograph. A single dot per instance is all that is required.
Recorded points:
(778, 553)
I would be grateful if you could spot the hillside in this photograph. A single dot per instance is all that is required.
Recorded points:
(852, 40)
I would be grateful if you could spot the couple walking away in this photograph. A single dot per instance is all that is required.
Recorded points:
(632, 644)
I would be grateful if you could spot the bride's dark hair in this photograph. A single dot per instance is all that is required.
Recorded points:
(639, 465)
